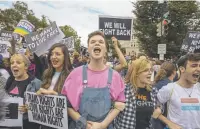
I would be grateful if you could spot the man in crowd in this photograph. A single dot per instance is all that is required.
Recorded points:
(183, 96)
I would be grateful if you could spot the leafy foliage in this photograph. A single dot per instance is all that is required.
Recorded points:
(149, 14)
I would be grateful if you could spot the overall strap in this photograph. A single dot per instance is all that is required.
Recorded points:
(84, 75)
(110, 75)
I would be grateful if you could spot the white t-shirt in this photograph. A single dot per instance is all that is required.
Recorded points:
(54, 80)
(183, 110)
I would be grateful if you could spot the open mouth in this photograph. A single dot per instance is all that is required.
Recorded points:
(196, 76)
(148, 78)
(15, 70)
(54, 62)
(96, 50)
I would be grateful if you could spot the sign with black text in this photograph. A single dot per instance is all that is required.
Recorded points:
(118, 27)
(40, 43)
(13, 116)
(69, 42)
(48, 110)
(191, 43)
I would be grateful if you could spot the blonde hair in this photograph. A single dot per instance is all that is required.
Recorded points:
(138, 66)
(25, 59)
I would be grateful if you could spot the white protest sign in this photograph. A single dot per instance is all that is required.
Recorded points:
(40, 43)
(13, 116)
(69, 42)
(48, 110)
(161, 57)
(4, 45)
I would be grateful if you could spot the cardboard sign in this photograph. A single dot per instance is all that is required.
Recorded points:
(40, 43)
(48, 110)
(69, 42)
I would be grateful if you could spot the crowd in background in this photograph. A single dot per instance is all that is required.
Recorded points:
(139, 86)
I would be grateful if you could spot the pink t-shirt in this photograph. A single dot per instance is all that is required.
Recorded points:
(73, 86)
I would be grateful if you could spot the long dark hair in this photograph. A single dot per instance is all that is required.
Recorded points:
(49, 72)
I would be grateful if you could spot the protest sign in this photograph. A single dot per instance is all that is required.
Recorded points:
(83, 50)
(7, 36)
(13, 116)
(69, 42)
(4, 45)
(116, 26)
(48, 110)
(191, 43)
(40, 43)
(24, 27)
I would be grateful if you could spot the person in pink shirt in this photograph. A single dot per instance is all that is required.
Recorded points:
(95, 92)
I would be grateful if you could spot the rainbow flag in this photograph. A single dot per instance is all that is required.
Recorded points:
(24, 27)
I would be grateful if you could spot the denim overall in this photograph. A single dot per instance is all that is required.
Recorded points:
(95, 103)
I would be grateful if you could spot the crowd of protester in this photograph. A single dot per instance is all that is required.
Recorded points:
(128, 93)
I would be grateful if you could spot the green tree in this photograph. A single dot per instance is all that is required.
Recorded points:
(149, 14)
(69, 31)
(10, 17)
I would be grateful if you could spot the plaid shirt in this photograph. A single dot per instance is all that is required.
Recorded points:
(127, 118)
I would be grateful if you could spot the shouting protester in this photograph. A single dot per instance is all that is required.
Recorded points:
(57, 71)
(91, 89)
(21, 82)
(140, 97)
(183, 96)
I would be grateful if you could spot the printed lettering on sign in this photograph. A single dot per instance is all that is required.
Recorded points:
(39, 43)
(118, 27)
(47, 110)
(191, 43)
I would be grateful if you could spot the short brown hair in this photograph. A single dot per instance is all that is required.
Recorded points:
(188, 57)
(98, 32)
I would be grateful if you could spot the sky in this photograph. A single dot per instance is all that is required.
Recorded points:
(82, 15)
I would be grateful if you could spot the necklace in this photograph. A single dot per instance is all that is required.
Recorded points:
(189, 94)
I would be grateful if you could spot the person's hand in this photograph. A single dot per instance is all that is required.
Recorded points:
(174, 126)
(23, 108)
(46, 92)
(51, 92)
(95, 125)
(114, 40)
(119, 105)
(88, 126)
(157, 112)
(41, 91)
